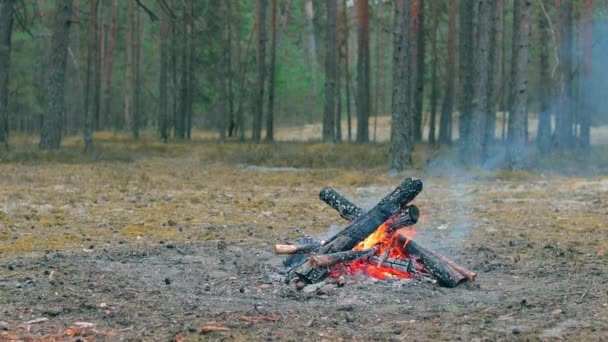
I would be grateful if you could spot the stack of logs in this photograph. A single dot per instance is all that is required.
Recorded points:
(393, 210)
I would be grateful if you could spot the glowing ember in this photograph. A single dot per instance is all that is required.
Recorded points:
(383, 238)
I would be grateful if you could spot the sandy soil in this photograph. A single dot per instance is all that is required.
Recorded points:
(180, 248)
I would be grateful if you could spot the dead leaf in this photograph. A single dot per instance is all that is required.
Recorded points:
(179, 337)
(601, 251)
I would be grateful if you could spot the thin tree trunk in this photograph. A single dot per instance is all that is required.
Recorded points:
(434, 96)
(494, 73)
(401, 120)
(261, 64)
(128, 79)
(475, 151)
(543, 135)
(92, 92)
(109, 63)
(271, 75)
(379, 56)
(445, 121)
(50, 137)
(363, 71)
(6, 29)
(519, 113)
(330, 75)
(466, 71)
(420, 70)
(163, 110)
(347, 71)
(312, 48)
(586, 112)
(225, 64)
(230, 124)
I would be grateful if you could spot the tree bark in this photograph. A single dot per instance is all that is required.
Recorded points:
(494, 74)
(565, 121)
(543, 135)
(330, 75)
(347, 71)
(401, 143)
(519, 112)
(50, 135)
(420, 70)
(445, 121)
(467, 15)
(6, 29)
(586, 113)
(261, 64)
(92, 93)
(109, 63)
(271, 75)
(163, 110)
(363, 71)
(475, 140)
(434, 96)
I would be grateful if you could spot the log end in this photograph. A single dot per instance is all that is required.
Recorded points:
(285, 249)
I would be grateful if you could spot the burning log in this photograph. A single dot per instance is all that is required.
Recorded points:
(298, 249)
(403, 265)
(362, 227)
(442, 271)
(447, 272)
(348, 211)
(328, 260)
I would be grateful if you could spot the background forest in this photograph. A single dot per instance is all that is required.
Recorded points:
(504, 73)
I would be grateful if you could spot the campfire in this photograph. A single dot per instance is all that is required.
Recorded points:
(378, 243)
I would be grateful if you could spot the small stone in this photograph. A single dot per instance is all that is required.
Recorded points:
(299, 285)
(207, 287)
(167, 281)
(349, 318)
(242, 290)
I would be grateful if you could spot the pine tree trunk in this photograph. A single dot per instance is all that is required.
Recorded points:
(163, 110)
(475, 151)
(312, 47)
(128, 79)
(50, 137)
(347, 72)
(494, 73)
(519, 112)
(445, 121)
(261, 64)
(586, 113)
(6, 29)
(92, 91)
(271, 75)
(419, 85)
(225, 109)
(109, 63)
(543, 135)
(330, 75)
(401, 144)
(363, 71)
(434, 96)
(466, 71)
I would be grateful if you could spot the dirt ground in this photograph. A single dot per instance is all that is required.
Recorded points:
(177, 243)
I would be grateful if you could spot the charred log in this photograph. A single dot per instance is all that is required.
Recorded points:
(328, 260)
(362, 228)
(406, 217)
(298, 249)
(346, 208)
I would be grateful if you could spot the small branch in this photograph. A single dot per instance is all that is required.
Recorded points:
(151, 14)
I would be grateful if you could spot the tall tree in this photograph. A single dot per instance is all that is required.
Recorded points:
(163, 110)
(363, 71)
(586, 113)
(565, 116)
(347, 70)
(434, 95)
(106, 102)
(445, 121)
(519, 111)
(6, 29)
(543, 135)
(418, 87)
(225, 64)
(261, 64)
(467, 14)
(50, 135)
(330, 74)
(271, 75)
(312, 43)
(401, 111)
(494, 73)
(474, 153)
(92, 93)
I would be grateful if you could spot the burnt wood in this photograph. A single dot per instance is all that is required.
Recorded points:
(358, 230)
(328, 260)
(346, 208)
(406, 217)
(296, 249)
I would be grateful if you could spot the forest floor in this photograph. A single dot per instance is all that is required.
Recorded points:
(157, 242)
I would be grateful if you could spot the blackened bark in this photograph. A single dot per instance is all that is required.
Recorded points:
(261, 63)
(50, 135)
(434, 96)
(445, 121)
(420, 66)
(363, 71)
(330, 75)
(474, 153)
(401, 119)
(6, 29)
(347, 209)
(519, 113)
(467, 15)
